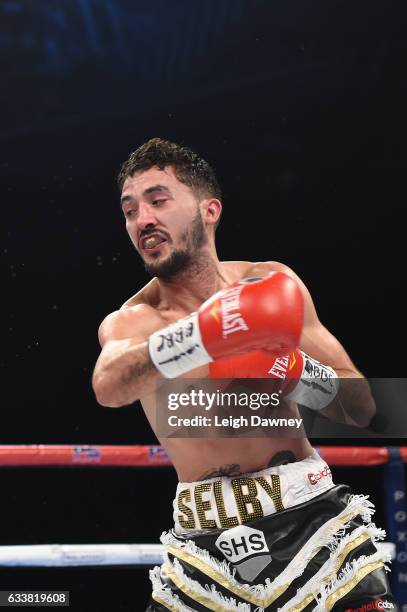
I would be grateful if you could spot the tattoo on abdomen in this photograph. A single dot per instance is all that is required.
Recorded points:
(282, 458)
(232, 469)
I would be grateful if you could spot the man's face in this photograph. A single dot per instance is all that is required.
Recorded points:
(163, 221)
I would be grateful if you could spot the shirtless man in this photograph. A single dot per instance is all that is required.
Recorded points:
(258, 521)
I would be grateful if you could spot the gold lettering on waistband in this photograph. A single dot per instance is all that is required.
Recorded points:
(244, 499)
(274, 490)
(226, 522)
(203, 506)
(188, 523)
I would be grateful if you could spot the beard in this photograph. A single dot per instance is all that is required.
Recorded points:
(181, 259)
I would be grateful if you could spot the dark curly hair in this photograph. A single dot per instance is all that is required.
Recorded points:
(188, 167)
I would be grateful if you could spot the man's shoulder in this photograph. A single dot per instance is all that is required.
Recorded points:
(132, 319)
(147, 296)
(258, 268)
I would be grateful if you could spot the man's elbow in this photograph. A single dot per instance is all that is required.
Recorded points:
(360, 404)
(106, 393)
(362, 420)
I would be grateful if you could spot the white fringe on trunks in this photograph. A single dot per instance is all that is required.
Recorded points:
(164, 593)
(313, 587)
(331, 535)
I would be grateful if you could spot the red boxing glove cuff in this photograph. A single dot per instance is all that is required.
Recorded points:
(305, 380)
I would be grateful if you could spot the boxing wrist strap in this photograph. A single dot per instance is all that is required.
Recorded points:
(178, 348)
(317, 386)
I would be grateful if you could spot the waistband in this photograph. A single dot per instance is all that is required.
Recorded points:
(226, 502)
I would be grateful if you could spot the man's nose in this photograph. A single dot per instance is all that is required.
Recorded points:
(146, 216)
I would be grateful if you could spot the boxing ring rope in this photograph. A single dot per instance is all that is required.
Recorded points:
(36, 455)
(62, 555)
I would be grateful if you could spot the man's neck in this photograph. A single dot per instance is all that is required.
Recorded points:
(191, 287)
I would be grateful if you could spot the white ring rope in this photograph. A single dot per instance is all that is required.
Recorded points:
(68, 555)
(71, 555)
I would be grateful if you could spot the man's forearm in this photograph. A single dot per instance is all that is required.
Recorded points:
(353, 403)
(124, 374)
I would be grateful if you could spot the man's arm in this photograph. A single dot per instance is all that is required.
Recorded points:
(354, 404)
(124, 371)
(137, 343)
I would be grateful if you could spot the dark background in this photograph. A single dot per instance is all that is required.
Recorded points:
(300, 107)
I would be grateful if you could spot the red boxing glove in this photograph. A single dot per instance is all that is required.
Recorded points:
(253, 314)
(299, 377)
(259, 364)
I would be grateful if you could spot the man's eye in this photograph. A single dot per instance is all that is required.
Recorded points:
(157, 202)
(129, 213)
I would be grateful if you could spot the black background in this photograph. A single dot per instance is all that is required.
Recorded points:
(300, 108)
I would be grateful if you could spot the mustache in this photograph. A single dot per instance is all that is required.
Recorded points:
(149, 232)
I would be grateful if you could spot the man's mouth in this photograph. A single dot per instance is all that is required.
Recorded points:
(148, 243)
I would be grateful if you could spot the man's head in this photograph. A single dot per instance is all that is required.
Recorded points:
(171, 201)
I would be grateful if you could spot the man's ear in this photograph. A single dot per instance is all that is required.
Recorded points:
(212, 211)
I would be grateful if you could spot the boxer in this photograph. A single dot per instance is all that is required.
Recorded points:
(258, 522)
